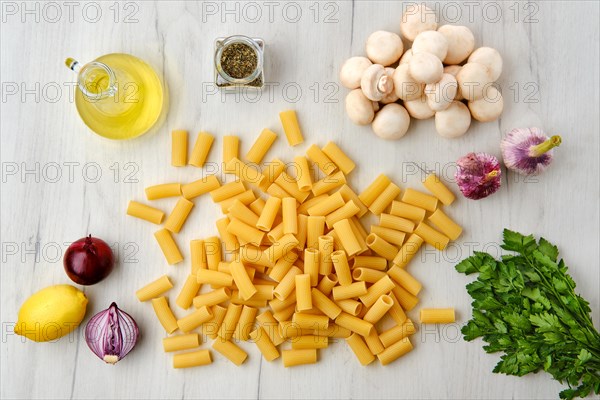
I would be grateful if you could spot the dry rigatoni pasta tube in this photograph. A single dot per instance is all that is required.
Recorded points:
(404, 298)
(231, 149)
(269, 212)
(302, 231)
(381, 247)
(328, 183)
(325, 250)
(261, 146)
(310, 342)
(351, 291)
(367, 274)
(179, 215)
(290, 185)
(227, 191)
(292, 358)
(231, 242)
(373, 191)
(210, 299)
(373, 262)
(264, 291)
(271, 171)
(192, 359)
(420, 199)
(188, 292)
(145, 212)
(385, 199)
(165, 314)
(230, 321)
(359, 228)
(325, 304)
(245, 323)
(438, 189)
(327, 283)
(247, 173)
(282, 266)
(407, 211)
(212, 249)
(396, 312)
(278, 305)
(389, 235)
(333, 331)
(211, 328)
(395, 222)
(376, 290)
(277, 191)
(240, 211)
(303, 208)
(290, 218)
(179, 142)
(231, 351)
(204, 142)
(316, 155)
(355, 324)
(245, 232)
(164, 190)
(342, 269)
(264, 344)
(281, 247)
(315, 228)
(214, 278)
(154, 289)
(327, 206)
(432, 237)
(303, 295)
(437, 315)
(168, 246)
(246, 198)
(406, 280)
(349, 195)
(374, 343)
(200, 187)
(289, 121)
(304, 177)
(310, 321)
(242, 280)
(350, 306)
(408, 250)
(257, 206)
(395, 351)
(236, 299)
(270, 325)
(446, 225)
(397, 333)
(348, 210)
(347, 238)
(254, 255)
(379, 309)
(181, 342)
(360, 349)
(344, 163)
(311, 265)
(287, 285)
(226, 267)
(194, 319)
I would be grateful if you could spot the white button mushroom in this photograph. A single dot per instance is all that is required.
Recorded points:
(431, 42)
(441, 94)
(405, 86)
(359, 109)
(405, 59)
(426, 68)
(489, 107)
(391, 97)
(461, 43)
(472, 79)
(391, 122)
(490, 58)
(375, 83)
(384, 47)
(453, 70)
(416, 19)
(453, 121)
(352, 71)
(418, 108)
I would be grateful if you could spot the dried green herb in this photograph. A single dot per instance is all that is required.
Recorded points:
(525, 306)
(238, 60)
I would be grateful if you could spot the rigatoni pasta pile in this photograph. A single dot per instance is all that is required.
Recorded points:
(296, 265)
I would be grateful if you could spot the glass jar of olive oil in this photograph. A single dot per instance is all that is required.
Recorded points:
(239, 62)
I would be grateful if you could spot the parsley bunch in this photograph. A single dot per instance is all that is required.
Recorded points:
(526, 307)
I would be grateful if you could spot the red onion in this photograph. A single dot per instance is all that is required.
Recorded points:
(111, 334)
(528, 151)
(478, 175)
(88, 260)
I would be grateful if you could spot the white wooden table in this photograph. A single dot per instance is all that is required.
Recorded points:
(61, 182)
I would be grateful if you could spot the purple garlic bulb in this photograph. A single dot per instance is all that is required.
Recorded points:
(478, 175)
(528, 151)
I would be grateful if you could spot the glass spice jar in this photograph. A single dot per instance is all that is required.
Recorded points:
(239, 62)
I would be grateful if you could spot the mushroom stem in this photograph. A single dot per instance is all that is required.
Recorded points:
(546, 146)
(382, 85)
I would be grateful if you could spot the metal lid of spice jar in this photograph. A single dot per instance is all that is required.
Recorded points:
(239, 62)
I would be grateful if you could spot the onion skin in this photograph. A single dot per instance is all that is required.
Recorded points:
(478, 175)
(88, 260)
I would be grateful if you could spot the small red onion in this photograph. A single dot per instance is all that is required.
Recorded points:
(111, 334)
(478, 175)
(528, 151)
(88, 260)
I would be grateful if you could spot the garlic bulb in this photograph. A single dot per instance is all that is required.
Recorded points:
(478, 175)
(528, 151)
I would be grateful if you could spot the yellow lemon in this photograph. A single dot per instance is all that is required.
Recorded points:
(51, 313)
